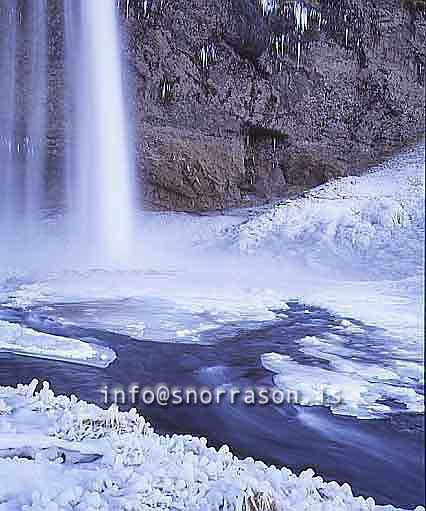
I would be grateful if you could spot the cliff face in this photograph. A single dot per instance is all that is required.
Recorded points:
(232, 104)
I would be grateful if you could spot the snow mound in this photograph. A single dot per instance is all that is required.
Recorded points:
(377, 218)
(138, 469)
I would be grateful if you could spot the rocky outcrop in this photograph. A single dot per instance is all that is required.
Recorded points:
(228, 112)
(234, 103)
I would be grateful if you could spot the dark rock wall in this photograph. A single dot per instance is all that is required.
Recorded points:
(226, 113)
(252, 122)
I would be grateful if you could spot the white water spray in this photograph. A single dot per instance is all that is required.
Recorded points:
(100, 176)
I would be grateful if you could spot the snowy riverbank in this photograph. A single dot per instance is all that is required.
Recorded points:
(61, 454)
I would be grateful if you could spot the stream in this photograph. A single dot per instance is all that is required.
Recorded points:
(339, 448)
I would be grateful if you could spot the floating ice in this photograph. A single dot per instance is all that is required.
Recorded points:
(345, 385)
(25, 341)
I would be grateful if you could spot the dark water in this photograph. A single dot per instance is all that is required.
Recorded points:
(379, 458)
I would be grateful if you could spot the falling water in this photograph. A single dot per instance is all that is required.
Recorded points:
(98, 166)
(8, 177)
(98, 170)
(35, 149)
(22, 135)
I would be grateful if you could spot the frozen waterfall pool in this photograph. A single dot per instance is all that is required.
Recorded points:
(321, 293)
(375, 371)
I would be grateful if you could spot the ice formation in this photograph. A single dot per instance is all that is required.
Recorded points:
(347, 385)
(86, 458)
(26, 341)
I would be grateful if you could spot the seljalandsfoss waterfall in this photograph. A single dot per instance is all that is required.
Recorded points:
(99, 170)
(22, 148)
(212, 224)
(97, 176)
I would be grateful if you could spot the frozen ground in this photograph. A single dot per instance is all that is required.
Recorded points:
(61, 454)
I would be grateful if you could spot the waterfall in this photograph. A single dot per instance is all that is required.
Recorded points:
(99, 170)
(22, 137)
(35, 161)
(8, 177)
(98, 173)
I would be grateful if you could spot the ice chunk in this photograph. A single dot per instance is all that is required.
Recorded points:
(26, 341)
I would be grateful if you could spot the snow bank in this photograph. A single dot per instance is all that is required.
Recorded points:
(25, 341)
(135, 468)
(374, 221)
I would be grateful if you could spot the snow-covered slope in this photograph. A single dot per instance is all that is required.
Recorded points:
(372, 224)
(357, 247)
(61, 454)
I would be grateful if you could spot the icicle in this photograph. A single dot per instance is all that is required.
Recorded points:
(298, 53)
(304, 19)
(301, 16)
(127, 9)
(267, 6)
(297, 14)
(204, 57)
(207, 54)
(274, 143)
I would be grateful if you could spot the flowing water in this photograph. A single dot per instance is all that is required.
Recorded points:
(35, 162)
(99, 169)
(379, 458)
(8, 148)
(22, 140)
(98, 177)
